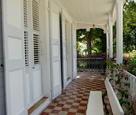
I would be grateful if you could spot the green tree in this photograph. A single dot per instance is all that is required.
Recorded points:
(129, 26)
(95, 40)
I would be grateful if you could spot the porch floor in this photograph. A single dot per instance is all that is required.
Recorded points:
(74, 99)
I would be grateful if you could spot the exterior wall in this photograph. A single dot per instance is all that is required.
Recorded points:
(45, 56)
(2, 81)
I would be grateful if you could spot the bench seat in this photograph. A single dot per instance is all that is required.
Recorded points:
(95, 105)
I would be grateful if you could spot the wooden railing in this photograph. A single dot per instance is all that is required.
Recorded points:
(91, 65)
(130, 89)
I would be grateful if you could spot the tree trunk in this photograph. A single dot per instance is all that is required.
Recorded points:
(89, 47)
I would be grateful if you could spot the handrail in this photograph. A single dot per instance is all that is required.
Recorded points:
(132, 80)
(129, 89)
(129, 74)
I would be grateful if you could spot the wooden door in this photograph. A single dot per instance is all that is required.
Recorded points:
(65, 66)
(55, 49)
(32, 52)
(13, 37)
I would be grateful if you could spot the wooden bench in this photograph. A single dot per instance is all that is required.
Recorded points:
(95, 105)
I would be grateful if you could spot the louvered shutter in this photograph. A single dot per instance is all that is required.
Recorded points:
(26, 48)
(35, 12)
(36, 46)
(25, 13)
(26, 41)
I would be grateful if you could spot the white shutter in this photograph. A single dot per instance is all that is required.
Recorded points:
(26, 43)
(35, 13)
(13, 36)
(25, 13)
(36, 37)
(36, 47)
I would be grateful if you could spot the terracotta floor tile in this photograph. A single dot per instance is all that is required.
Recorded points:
(74, 99)
(81, 111)
(55, 111)
(44, 113)
(71, 113)
(50, 107)
(60, 105)
(65, 109)
(74, 107)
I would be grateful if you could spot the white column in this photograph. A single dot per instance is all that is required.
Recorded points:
(111, 40)
(119, 34)
(107, 43)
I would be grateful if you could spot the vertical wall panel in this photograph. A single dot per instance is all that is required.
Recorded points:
(14, 13)
(16, 91)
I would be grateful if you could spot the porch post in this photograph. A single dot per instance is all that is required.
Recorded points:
(111, 40)
(119, 28)
(107, 43)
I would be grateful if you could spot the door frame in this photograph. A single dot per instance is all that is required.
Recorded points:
(3, 86)
(67, 22)
(61, 52)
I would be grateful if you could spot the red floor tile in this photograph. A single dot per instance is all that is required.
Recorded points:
(44, 113)
(55, 111)
(50, 107)
(71, 113)
(81, 111)
(74, 107)
(60, 105)
(74, 98)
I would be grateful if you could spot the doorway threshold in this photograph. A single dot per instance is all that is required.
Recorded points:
(39, 106)
(69, 78)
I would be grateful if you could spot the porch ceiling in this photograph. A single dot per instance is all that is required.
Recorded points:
(89, 11)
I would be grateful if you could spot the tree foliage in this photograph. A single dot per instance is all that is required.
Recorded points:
(129, 26)
(95, 39)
